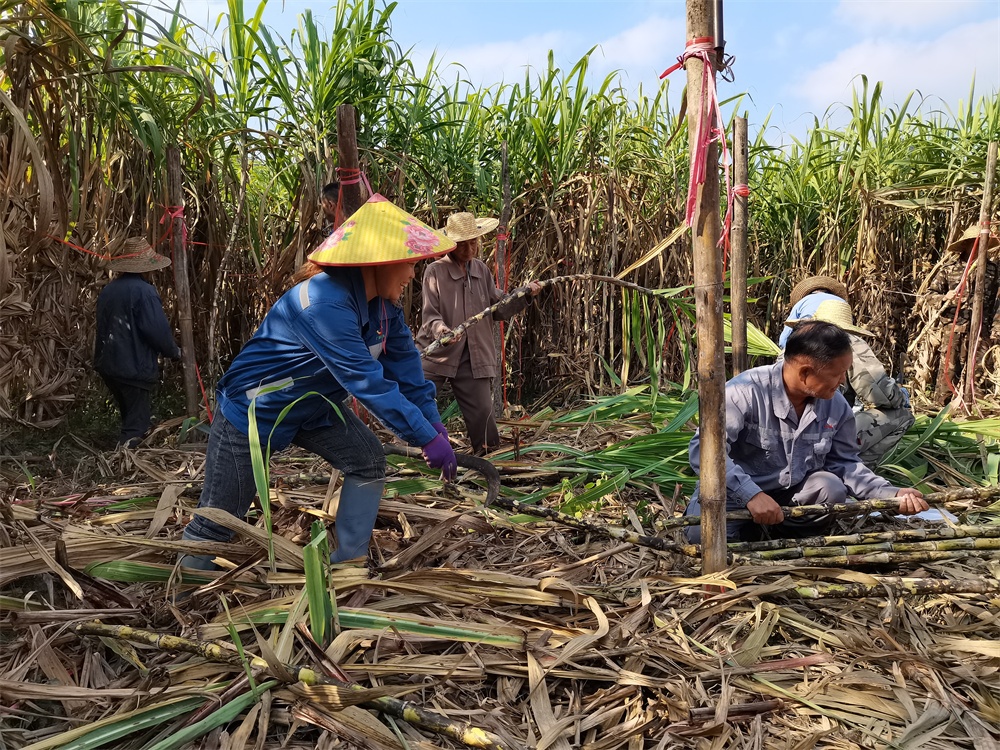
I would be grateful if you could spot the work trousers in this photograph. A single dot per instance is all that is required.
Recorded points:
(348, 445)
(475, 399)
(135, 405)
(819, 488)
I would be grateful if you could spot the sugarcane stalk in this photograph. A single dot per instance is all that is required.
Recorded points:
(493, 497)
(215, 651)
(795, 553)
(871, 537)
(952, 500)
(885, 558)
(524, 291)
(896, 586)
(598, 529)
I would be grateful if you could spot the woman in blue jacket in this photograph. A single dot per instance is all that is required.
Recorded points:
(339, 333)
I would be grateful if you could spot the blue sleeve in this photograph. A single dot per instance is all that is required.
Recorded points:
(783, 338)
(401, 362)
(153, 325)
(739, 484)
(332, 332)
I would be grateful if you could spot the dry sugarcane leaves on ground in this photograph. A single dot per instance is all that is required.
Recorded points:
(509, 628)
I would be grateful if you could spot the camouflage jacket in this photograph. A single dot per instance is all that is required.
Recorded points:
(868, 383)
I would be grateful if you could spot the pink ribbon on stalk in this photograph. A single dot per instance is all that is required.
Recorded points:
(710, 129)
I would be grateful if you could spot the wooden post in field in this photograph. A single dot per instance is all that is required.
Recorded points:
(708, 291)
(347, 149)
(985, 211)
(501, 263)
(738, 267)
(182, 287)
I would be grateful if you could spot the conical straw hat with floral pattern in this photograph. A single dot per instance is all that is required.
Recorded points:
(379, 233)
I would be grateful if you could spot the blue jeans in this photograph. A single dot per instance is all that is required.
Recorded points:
(229, 484)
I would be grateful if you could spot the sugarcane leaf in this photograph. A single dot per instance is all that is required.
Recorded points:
(220, 717)
(104, 731)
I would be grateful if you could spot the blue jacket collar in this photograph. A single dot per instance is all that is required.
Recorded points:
(351, 278)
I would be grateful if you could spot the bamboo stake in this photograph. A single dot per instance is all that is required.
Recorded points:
(347, 150)
(289, 673)
(500, 259)
(896, 586)
(975, 327)
(708, 288)
(182, 287)
(738, 270)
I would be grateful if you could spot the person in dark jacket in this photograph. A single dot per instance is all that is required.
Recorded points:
(338, 333)
(132, 331)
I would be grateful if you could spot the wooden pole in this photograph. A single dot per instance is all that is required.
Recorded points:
(501, 262)
(708, 287)
(182, 287)
(347, 149)
(979, 294)
(738, 269)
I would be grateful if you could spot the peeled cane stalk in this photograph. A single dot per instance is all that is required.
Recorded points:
(214, 651)
(942, 545)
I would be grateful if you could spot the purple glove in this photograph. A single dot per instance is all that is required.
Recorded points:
(441, 429)
(439, 455)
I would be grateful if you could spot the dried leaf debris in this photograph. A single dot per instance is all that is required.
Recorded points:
(482, 627)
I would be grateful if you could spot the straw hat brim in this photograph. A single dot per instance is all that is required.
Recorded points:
(484, 225)
(849, 327)
(964, 243)
(145, 263)
(811, 284)
(378, 234)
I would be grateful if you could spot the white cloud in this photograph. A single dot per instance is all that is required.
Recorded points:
(941, 67)
(495, 61)
(879, 15)
(647, 44)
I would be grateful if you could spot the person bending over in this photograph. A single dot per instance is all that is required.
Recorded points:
(791, 440)
(339, 333)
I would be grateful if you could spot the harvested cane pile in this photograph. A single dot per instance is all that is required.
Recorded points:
(490, 626)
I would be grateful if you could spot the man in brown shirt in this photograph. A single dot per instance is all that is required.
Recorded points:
(454, 289)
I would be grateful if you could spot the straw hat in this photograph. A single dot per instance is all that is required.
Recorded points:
(380, 233)
(964, 243)
(811, 284)
(836, 312)
(137, 256)
(464, 226)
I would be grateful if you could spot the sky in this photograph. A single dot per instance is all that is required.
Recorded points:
(793, 58)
